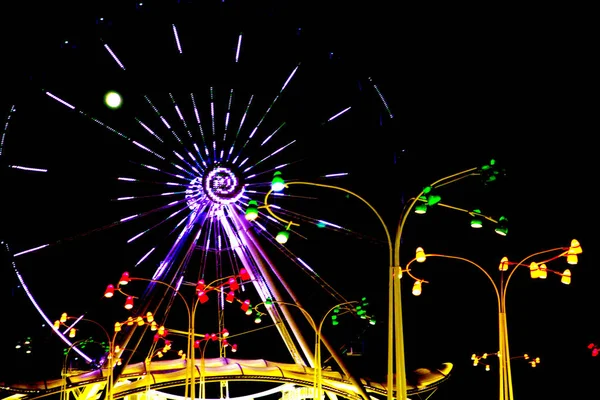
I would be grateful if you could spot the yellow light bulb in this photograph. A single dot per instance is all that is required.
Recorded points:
(420, 255)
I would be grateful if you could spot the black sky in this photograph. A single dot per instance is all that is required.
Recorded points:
(464, 84)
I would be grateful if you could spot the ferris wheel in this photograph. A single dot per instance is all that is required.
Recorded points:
(168, 155)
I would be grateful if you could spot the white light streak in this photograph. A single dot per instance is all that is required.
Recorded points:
(335, 175)
(306, 266)
(127, 179)
(289, 79)
(125, 198)
(28, 168)
(141, 146)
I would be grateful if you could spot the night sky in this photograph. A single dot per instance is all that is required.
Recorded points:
(460, 87)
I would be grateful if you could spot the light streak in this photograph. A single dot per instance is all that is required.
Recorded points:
(30, 250)
(177, 39)
(114, 56)
(60, 100)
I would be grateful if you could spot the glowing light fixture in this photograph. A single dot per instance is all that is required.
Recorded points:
(432, 199)
(63, 318)
(420, 255)
(110, 291)
(117, 327)
(575, 247)
(572, 259)
(566, 277)
(534, 271)
(503, 264)
(202, 296)
(124, 279)
(476, 221)
(230, 296)
(282, 237)
(502, 228)
(421, 208)
(113, 100)
(543, 274)
(244, 275)
(72, 332)
(277, 184)
(416, 290)
(245, 305)
(233, 285)
(252, 210)
(129, 303)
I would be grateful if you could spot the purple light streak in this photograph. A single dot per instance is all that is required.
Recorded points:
(270, 155)
(148, 150)
(239, 46)
(30, 250)
(149, 130)
(137, 236)
(114, 56)
(272, 134)
(145, 256)
(338, 114)
(335, 175)
(177, 39)
(60, 100)
(129, 218)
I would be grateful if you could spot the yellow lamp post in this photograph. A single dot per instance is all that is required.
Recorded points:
(254, 213)
(538, 270)
(63, 321)
(427, 197)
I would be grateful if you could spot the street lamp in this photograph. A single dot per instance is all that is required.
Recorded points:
(63, 322)
(280, 186)
(202, 291)
(477, 359)
(538, 270)
(317, 380)
(428, 197)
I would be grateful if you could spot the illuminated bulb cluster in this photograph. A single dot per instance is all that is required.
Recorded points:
(595, 350)
(277, 185)
(213, 337)
(202, 289)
